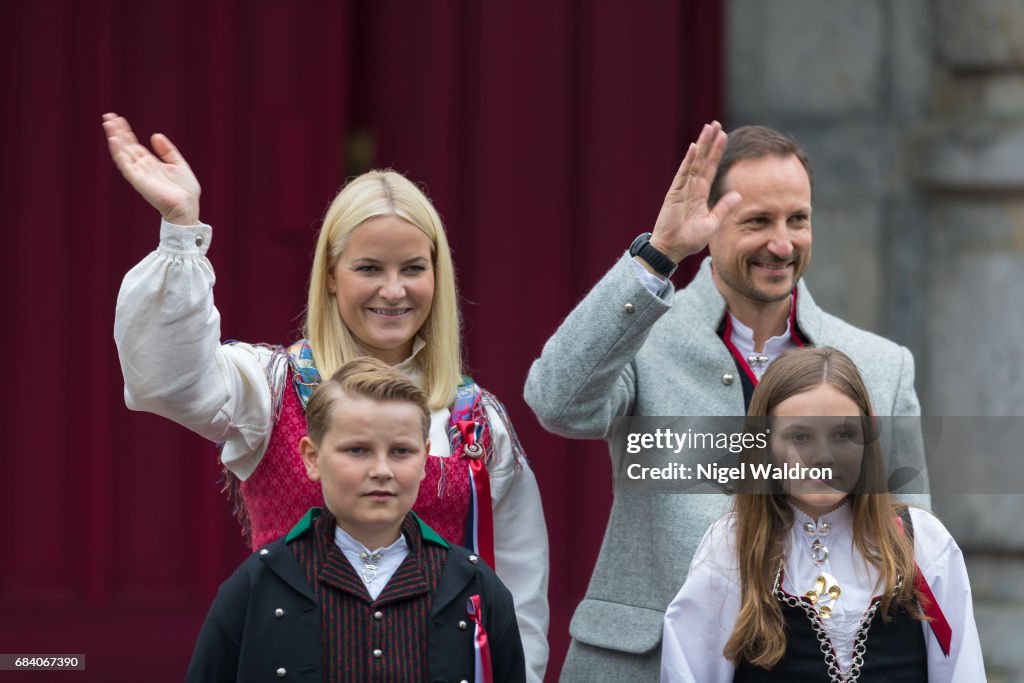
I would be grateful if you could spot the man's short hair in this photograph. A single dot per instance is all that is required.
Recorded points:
(754, 142)
(364, 377)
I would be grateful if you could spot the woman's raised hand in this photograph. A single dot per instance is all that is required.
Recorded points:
(164, 179)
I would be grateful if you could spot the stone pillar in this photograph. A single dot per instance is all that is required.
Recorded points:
(969, 168)
(912, 112)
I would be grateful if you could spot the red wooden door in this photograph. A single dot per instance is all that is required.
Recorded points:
(546, 133)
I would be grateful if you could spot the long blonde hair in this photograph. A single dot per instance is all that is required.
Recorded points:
(371, 195)
(763, 519)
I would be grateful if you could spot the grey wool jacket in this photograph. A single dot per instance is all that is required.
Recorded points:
(626, 352)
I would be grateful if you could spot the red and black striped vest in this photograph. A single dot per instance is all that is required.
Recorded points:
(364, 639)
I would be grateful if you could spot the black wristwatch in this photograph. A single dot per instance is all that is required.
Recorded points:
(642, 247)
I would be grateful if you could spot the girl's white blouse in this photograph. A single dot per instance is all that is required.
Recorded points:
(700, 619)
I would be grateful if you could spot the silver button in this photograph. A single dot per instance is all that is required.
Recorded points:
(474, 559)
(282, 672)
(378, 653)
(628, 308)
(727, 379)
(463, 626)
(279, 613)
(378, 615)
(199, 240)
(264, 551)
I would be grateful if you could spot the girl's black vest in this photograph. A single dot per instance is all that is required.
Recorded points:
(895, 650)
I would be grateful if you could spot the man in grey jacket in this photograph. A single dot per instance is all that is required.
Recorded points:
(636, 347)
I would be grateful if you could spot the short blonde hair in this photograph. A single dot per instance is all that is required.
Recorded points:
(368, 378)
(372, 195)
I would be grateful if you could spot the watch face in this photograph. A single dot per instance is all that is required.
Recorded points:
(639, 243)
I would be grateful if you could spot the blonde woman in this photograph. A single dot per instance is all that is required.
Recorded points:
(382, 285)
(825, 580)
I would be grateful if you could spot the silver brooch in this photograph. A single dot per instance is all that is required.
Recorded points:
(757, 360)
(370, 561)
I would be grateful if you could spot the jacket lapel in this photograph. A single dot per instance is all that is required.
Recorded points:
(458, 573)
(409, 580)
(703, 300)
(280, 560)
(337, 572)
(809, 318)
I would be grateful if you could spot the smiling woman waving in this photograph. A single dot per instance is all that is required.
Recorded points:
(382, 285)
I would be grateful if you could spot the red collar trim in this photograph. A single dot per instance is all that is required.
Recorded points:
(794, 334)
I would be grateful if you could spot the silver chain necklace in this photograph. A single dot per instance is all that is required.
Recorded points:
(835, 669)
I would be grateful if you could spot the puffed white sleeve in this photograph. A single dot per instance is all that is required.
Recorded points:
(700, 619)
(167, 331)
(942, 564)
(520, 543)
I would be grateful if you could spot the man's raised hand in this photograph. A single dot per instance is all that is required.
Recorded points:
(685, 223)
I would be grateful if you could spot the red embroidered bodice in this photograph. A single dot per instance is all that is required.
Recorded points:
(278, 493)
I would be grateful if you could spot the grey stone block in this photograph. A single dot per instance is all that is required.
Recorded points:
(968, 97)
(974, 328)
(978, 34)
(963, 224)
(851, 161)
(845, 275)
(804, 57)
(983, 522)
(908, 69)
(904, 243)
(971, 157)
(995, 578)
(1001, 631)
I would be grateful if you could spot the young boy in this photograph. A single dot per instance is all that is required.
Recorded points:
(364, 590)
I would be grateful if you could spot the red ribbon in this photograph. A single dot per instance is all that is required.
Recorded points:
(939, 624)
(481, 646)
(483, 518)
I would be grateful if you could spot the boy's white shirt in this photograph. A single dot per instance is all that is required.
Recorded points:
(167, 331)
(701, 618)
(391, 559)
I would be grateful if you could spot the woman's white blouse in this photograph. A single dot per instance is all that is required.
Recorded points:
(167, 331)
(700, 619)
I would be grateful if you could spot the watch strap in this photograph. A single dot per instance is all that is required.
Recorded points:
(643, 248)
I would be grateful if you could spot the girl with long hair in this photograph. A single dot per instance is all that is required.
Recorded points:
(382, 284)
(828, 579)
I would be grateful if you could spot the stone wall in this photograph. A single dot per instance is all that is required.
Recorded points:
(912, 112)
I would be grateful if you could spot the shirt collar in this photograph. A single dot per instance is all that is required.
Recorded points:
(408, 366)
(840, 518)
(348, 544)
(743, 337)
